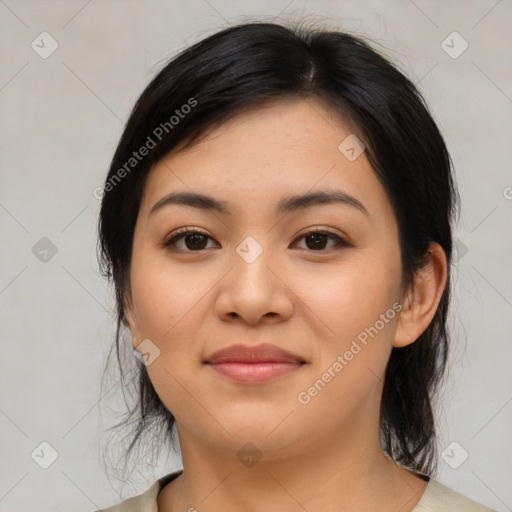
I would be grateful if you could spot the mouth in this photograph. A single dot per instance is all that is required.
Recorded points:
(254, 364)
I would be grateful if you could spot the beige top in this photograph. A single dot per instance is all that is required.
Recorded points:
(436, 498)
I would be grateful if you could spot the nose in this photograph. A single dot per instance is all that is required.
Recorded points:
(255, 289)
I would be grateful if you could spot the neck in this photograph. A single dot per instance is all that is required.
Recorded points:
(333, 476)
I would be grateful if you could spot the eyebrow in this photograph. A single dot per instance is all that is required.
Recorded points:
(285, 205)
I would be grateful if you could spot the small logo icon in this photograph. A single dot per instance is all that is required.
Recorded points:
(146, 352)
(454, 455)
(44, 45)
(249, 455)
(44, 455)
(352, 147)
(249, 250)
(459, 250)
(454, 45)
(44, 250)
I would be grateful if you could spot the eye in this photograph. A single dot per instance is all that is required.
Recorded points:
(318, 237)
(196, 238)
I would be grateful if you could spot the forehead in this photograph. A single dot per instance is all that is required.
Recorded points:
(254, 159)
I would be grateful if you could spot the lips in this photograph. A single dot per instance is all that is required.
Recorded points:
(256, 365)
(264, 353)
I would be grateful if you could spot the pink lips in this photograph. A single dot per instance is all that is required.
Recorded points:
(254, 364)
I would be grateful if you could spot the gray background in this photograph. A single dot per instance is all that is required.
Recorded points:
(61, 118)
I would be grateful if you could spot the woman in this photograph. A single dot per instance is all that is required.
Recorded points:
(277, 224)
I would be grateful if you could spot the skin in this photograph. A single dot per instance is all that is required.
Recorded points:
(323, 455)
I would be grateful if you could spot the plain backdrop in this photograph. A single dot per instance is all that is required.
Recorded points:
(61, 116)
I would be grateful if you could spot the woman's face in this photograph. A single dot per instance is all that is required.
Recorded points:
(256, 278)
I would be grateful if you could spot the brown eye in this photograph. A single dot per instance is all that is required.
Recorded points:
(318, 240)
(195, 240)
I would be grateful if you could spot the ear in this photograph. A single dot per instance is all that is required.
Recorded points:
(422, 299)
(131, 322)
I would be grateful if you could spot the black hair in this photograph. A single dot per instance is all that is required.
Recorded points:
(241, 68)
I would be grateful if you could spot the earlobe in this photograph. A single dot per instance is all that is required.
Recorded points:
(422, 300)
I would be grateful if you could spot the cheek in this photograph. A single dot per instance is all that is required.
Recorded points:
(358, 311)
(165, 294)
(358, 308)
(170, 305)
(352, 296)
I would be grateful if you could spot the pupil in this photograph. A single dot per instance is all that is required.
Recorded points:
(195, 239)
(315, 238)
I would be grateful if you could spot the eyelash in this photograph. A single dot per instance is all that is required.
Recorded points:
(340, 242)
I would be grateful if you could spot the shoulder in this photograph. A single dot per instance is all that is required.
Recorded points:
(145, 502)
(439, 498)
